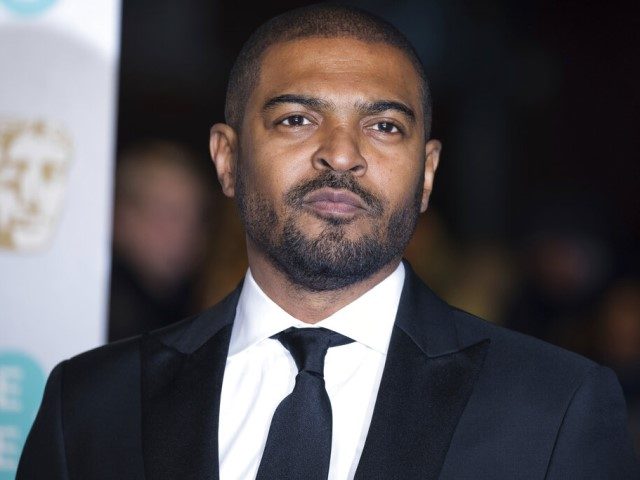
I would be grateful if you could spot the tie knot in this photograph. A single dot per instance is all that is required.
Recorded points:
(308, 346)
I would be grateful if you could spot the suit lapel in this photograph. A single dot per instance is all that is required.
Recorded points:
(427, 380)
(182, 371)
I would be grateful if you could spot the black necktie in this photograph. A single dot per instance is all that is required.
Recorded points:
(299, 441)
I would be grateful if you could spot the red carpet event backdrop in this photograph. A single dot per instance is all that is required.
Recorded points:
(57, 121)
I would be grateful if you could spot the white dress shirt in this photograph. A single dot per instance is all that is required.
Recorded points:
(260, 372)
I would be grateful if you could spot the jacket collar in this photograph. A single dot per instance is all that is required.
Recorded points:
(190, 334)
(427, 320)
(182, 372)
(428, 378)
(422, 315)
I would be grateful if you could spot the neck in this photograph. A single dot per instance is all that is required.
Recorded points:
(308, 306)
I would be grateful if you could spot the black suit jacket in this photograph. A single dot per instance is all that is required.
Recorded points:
(459, 399)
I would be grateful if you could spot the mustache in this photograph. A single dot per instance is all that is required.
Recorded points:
(336, 180)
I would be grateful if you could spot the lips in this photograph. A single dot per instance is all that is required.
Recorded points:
(332, 202)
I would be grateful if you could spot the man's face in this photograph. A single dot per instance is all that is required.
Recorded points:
(331, 163)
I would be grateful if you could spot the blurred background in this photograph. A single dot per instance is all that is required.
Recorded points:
(535, 218)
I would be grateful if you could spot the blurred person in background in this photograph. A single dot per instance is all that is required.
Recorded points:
(565, 262)
(160, 230)
(616, 341)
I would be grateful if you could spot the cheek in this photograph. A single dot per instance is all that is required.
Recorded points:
(272, 170)
(395, 181)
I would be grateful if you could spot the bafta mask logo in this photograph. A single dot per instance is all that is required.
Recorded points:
(34, 164)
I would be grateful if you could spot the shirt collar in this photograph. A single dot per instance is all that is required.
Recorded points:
(368, 320)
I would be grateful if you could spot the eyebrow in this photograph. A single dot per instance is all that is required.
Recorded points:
(306, 101)
(381, 106)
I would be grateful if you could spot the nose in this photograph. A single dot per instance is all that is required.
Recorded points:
(339, 150)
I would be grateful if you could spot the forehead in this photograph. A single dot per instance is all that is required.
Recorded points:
(339, 69)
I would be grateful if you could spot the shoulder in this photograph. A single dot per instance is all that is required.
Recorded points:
(117, 366)
(529, 369)
(184, 336)
(544, 405)
(522, 349)
(511, 357)
(107, 369)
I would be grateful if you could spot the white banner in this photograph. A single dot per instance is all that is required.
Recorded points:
(58, 73)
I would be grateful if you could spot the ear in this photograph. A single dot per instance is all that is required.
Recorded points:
(432, 159)
(223, 146)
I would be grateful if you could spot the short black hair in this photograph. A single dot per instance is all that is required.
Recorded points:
(323, 20)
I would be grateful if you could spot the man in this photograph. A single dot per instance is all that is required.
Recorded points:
(327, 152)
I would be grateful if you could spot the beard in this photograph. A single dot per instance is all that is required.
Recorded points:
(329, 261)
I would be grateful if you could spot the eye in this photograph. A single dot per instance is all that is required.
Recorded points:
(386, 127)
(295, 121)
